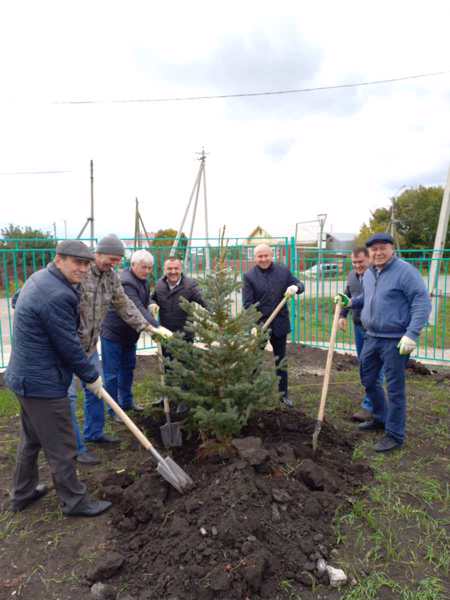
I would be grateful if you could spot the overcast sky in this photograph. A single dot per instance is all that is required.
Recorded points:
(272, 161)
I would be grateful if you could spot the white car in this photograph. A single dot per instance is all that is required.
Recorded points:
(323, 270)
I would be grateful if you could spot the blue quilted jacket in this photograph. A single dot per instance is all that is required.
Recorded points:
(46, 349)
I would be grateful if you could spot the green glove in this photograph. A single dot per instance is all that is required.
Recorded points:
(345, 300)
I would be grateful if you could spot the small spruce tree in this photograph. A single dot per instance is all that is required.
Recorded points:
(223, 380)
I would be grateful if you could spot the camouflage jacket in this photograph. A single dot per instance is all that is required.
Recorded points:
(99, 292)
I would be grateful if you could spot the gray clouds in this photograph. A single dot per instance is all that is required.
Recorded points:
(257, 62)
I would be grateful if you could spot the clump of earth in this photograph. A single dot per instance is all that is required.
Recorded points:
(260, 514)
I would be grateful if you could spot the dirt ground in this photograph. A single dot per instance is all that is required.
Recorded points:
(259, 518)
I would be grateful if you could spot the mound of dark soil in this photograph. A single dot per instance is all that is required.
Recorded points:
(260, 515)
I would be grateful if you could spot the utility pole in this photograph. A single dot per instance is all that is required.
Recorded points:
(65, 229)
(90, 220)
(438, 251)
(136, 225)
(322, 217)
(54, 230)
(92, 203)
(201, 177)
(392, 228)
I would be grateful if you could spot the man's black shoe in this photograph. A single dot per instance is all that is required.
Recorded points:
(87, 458)
(89, 508)
(386, 444)
(39, 491)
(371, 425)
(105, 439)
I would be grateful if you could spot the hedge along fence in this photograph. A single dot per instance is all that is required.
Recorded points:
(323, 273)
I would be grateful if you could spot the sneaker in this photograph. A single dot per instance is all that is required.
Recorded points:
(137, 407)
(386, 444)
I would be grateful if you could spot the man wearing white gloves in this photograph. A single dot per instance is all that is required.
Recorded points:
(99, 291)
(265, 285)
(395, 307)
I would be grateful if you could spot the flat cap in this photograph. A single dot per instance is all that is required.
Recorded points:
(74, 248)
(111, 244)
(380, 238)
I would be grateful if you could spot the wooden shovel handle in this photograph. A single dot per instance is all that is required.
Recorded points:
(161, 378)
(326, 379)
(275, 311)
(129, 423)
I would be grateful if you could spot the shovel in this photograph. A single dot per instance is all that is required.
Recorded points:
(326, 379)
(166, 467)
(170, 432)
(274, 313)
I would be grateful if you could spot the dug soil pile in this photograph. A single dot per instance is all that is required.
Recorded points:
(257, 518)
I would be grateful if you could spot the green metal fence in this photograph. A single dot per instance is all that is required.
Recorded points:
(323, 273)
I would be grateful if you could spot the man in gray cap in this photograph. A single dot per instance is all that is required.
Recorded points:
(46, 351)
(395, 307)
(101, 290)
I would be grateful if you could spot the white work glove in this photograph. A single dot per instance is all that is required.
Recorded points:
(291, 291)
(406, 345)
(254, 331)
(154, 310)
(342, 323)
(163, 332)
(96, 386)
(215, 344)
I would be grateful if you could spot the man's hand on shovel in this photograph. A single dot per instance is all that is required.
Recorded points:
(345, 301)
(95, 386)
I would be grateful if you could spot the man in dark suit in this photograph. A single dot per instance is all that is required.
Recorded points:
(168, 292)
(265, 285)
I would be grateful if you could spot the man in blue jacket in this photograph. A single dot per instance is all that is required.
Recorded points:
(119, 340)
(360, 264)
(46, 351)
(265, 285)
(395, 307)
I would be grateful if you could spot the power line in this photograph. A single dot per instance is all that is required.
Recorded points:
(255, 94)
(34, 172)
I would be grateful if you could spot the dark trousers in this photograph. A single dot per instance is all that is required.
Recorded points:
(279, 351)
(47, 424)
(119, 362)
(377, 354)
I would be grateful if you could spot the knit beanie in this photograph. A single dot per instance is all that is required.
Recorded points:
(110, 244)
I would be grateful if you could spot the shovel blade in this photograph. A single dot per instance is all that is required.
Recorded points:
(181, 475)
(171, 435)
(315, 438)
(173, 474)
